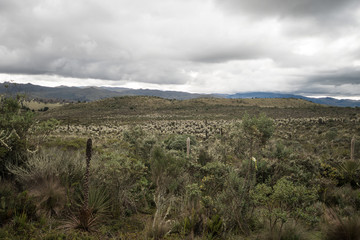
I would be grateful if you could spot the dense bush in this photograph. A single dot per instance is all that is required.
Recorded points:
(14, 128)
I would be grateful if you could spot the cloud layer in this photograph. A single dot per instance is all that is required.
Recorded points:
(191, 45)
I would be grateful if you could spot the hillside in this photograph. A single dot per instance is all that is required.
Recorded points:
(87, 94)
(138, 108)
(325, 101)
(57, 93)
(157, 93)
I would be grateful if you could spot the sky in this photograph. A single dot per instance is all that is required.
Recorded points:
(309, 47)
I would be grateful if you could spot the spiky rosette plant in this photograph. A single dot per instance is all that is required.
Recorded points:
(85, 214)
(87, 173)
(85, 219)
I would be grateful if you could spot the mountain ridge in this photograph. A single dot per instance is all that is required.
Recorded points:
(64, 93)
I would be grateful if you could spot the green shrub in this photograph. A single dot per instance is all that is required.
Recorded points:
(285, 201)
(125, 178)
(345, 198)
(169, 176)
(7, 201)
(14, 205)
(178, 142)
(214, 227)
(204, 157)
(14, 131)
(140, 142)
(259, 128)
(22, 226)
(234, 203)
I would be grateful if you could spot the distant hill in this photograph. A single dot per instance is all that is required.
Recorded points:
(326, 101)
(157, 93)
(57, 93)
(89, 93)
(86, 94)
(133, 109)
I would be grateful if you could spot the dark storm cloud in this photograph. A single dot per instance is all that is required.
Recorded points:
(336, 77)
(290, 8)
(228, 53)
(75, 39)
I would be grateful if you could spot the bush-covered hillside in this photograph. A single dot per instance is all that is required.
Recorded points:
(167, 169)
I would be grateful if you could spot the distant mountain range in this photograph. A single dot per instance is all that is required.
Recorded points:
(64, 93)
(326, 101)
(89, 93)
(157, 93)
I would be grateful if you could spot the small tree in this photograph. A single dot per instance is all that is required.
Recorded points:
(14, 129)
(257, 131)
(283, 202)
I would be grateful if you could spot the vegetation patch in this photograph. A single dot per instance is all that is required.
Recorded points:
(150, 168)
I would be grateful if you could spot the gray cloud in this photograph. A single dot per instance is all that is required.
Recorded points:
(300, 18)
(219, 54)
(75, 39)
(194, 45)
(336, 77)
(290, 8)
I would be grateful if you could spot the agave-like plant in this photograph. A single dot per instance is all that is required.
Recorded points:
(350, 170)
(92, 205)
(97, 213)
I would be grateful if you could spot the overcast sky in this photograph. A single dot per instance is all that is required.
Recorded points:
(310, 47)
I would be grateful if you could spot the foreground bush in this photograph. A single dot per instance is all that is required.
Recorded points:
(14, 130)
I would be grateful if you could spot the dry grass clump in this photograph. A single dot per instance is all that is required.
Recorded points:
(342, 228)
(49, 163)
(47, 176)
(49, 195)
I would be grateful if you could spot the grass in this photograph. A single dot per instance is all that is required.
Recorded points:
(35, 105)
